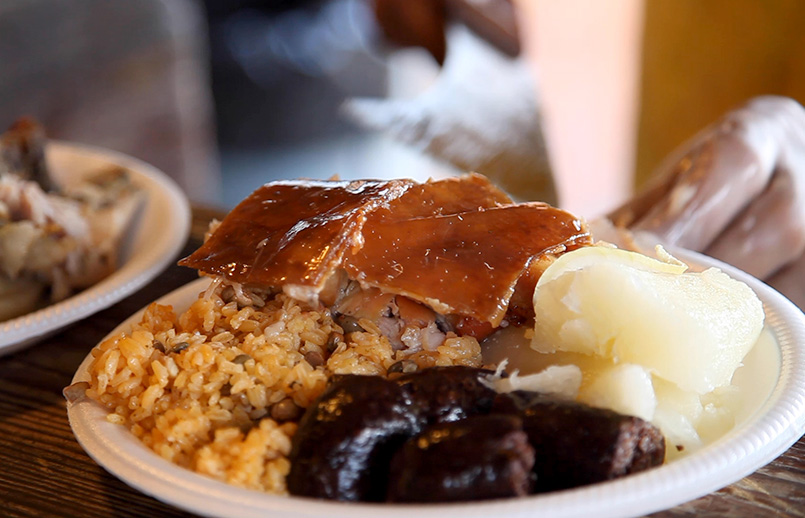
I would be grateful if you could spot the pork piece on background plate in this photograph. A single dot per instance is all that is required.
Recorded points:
(55, 240)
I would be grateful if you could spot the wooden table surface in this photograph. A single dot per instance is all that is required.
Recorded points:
(44, 472)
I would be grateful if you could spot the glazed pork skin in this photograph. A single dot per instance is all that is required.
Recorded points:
(466, 264)
(456, 245)
(292, 234)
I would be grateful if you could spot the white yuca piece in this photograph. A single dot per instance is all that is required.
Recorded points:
(625, 388)
(677, 414)
(692, 329)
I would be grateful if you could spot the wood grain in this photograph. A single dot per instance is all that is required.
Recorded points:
(44, 472)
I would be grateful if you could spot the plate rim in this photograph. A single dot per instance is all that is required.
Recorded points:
(25, 330)
(771, 430)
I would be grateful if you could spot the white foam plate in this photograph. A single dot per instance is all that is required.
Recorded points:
(152, 242)
(772, 422)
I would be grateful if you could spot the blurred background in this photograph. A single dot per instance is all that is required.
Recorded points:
(225, 95)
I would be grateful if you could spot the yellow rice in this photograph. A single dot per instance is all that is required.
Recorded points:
(198, 387)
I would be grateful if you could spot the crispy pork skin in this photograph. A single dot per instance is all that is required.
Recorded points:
(457, 245)
(292, 234)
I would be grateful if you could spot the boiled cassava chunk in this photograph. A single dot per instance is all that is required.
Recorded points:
(692, 329)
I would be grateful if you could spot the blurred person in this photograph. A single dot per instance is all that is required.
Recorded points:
(735, 191)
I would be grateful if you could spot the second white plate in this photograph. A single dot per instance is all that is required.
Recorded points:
(152, 243)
